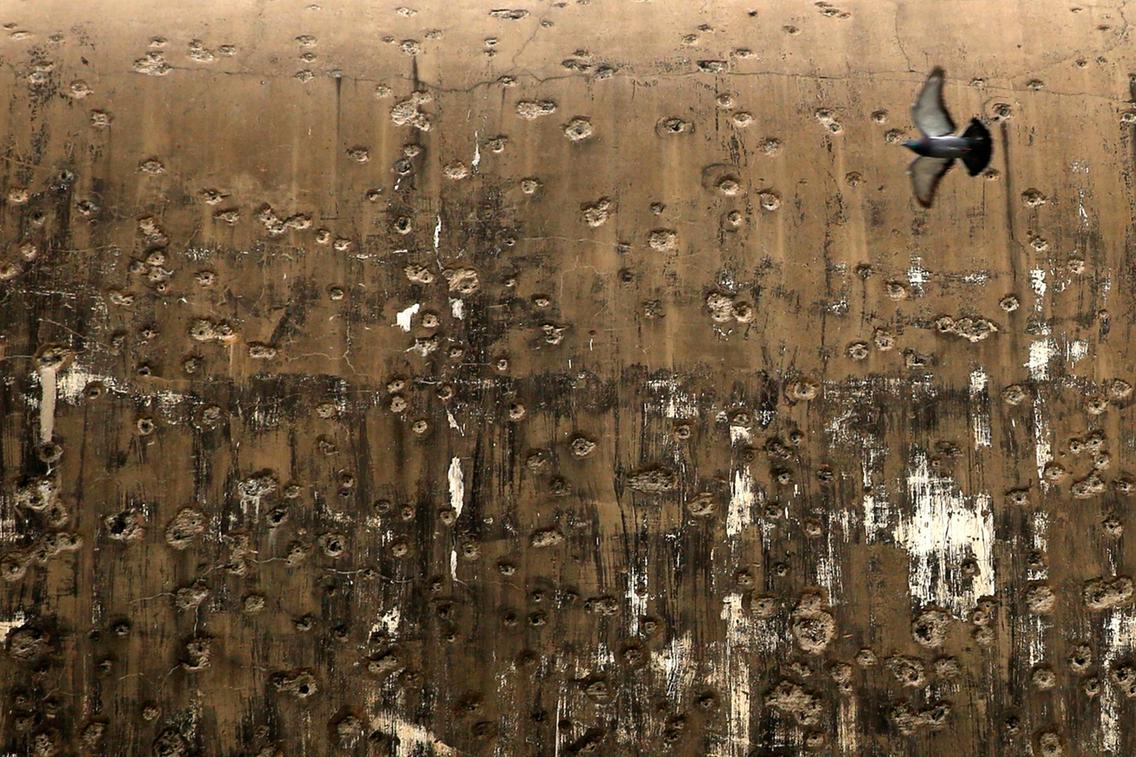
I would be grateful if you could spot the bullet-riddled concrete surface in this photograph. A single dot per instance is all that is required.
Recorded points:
(452, 379)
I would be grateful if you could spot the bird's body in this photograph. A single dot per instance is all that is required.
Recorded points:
(939, 146)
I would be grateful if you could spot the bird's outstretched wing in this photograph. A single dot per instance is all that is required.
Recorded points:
(929, 112)
(925, 173)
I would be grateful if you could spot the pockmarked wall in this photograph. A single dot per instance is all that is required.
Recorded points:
(575, 376)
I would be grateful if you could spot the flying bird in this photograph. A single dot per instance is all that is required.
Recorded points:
(939, 145)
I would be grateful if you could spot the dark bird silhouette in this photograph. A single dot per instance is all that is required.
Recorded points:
(939, 146)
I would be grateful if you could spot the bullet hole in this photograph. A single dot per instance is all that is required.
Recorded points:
(792, 699)
(332, 544)
(126, 525)
(300, 684)
(49, 452)
(186, 526)
(582, 446)
(908, 671)
(253, 604)
(10, 270)
(419, 274)
(1081, 659)
(1049, 744)
(1043, 678)
(812, 626)
(191, 596)
(546, 537)
(145, 426)
(399, 548)
(506, 568)
(1014, 394)
(896, 290)
(742, 119)
(1054, 472)
(908, 722)
(1106, 593)
(828, 119)
(858, 350)
(596, 214)
(420, 426)
(198, 653)
(770, 201)
(653, 480)
(532, 109)
(866, 658)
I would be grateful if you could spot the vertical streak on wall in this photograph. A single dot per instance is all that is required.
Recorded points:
(735, 675)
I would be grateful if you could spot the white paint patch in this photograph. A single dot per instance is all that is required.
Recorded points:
(636, 593)
(71, 384)
(476, 153)
(457, 308)
(736, 673)
(1042, 449)
(742, 498)
(739, 435)
(674, 664)
(46, 403)
(1119, 641)
(846, 730)
(945, 528)
(402, 320)
(1037, 284)
(672, 400)
(7, 626)
(1041, 352)
(453, 422)
(457, 486)
(1040, 538)
(979, 408)
(438, 233)
(410, 737)
(388, 622)
(1077, 350)
(876, 512)
(917, 275)
(828, 573)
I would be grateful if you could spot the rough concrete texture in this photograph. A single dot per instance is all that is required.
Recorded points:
(567, 377)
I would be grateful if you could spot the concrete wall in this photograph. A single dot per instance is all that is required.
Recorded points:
(579, 376)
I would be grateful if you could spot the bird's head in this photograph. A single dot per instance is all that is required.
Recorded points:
(911, 144)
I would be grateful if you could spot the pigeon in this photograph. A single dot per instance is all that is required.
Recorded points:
(939, 146)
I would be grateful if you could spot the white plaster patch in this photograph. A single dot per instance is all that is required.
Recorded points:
(1041, 352)
(457, 486)
(402, 320)
(388, 622)
(980, 413)
(9, 625)
(742, 498)
(945, 528)
(409, 737)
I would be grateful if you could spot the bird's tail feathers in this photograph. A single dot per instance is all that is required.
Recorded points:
(978, 156)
